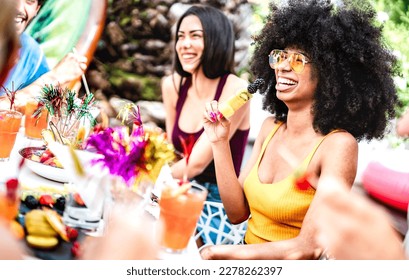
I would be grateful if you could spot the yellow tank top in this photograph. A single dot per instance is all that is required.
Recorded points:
(278, 209)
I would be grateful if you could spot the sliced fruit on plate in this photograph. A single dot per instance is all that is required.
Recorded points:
(78, 199)
(72, 233)
(30, 201)
(56, 223)
(45, 156)
(46, 200)
(48, 136)
(37, 224)
(41, 242)
(38, 190)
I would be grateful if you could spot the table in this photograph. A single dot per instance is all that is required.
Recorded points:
(9, 169)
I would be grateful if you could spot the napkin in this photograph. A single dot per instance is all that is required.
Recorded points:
(165, 175)
(85, 178)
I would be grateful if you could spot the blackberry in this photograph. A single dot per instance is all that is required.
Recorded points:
(60, 203)
(31, 202)
(254, 86)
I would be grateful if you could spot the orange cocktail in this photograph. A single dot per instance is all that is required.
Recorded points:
(9, 201)
(9, 125)
(34, 124)
(180, 209)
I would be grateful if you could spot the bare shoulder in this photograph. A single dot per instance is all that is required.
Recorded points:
(171, 82)
(341, 139)
(236, 80)
(169, 86)
(233, 84)
(339, 149)
(268, 125)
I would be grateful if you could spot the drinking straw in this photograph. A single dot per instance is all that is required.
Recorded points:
(84, 80)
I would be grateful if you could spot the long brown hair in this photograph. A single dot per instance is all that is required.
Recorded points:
(9, 43)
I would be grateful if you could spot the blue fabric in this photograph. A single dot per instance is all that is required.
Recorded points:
(213, 192)
(31, 65)
(212, 195)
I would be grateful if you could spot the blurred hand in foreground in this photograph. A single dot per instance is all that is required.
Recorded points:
(128, 236)
(352, 227)
(10, 248)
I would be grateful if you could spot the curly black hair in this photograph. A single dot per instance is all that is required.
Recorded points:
(355, 69)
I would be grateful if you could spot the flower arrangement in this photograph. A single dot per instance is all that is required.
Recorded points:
(134, 154)
(66, 112)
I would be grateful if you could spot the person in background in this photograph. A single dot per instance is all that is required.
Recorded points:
(328, 85)
(123, 226)
(203, 71)
(31, 72)
(8, 40)
(402, 125)
(10, 248)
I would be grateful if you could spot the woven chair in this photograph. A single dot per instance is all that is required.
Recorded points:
(226, 232)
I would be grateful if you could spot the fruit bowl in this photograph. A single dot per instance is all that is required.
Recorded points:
(49, 171)
(44, 170)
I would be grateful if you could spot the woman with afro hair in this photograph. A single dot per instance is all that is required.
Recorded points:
(328, 84)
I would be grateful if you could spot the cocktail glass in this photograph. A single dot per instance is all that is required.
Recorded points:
(9, 202)
(67, 126)
(34, 124)
(180, 208)
(77, 214)
(10, 122)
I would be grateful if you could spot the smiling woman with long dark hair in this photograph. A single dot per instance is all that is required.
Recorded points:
(203, 71)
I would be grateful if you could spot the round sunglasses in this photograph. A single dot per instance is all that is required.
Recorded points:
(296, 60)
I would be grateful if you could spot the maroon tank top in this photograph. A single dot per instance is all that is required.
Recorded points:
(237, 142)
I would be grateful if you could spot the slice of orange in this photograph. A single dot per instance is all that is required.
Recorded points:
(174, 192)
(17, 230)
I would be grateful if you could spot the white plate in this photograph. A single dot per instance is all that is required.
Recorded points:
(48, 171)
(44, 170)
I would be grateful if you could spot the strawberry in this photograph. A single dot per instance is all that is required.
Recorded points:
(72, 233)
(46, 155)
(46, 200)
(78, 199)
(11, 187)
(76, 249)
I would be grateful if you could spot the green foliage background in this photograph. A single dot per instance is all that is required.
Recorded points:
(394, 15)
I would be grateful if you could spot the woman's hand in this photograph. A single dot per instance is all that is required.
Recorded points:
(70, 68)
(215, 125)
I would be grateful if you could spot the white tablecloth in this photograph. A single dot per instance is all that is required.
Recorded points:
(9, 169)
(27, 178)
